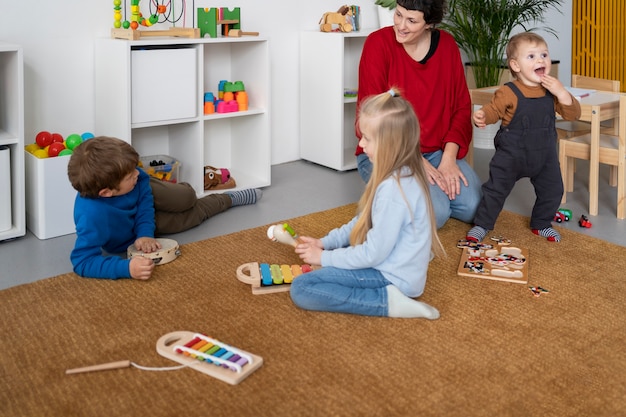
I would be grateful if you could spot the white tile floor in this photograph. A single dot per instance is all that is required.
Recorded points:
(300, 188)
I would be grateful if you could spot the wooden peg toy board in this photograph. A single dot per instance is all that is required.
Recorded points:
(270, 278)
(498, 263)
(209, 356)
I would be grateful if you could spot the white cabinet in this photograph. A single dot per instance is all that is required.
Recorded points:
(12, 189)
(329, 64)
(150, 93)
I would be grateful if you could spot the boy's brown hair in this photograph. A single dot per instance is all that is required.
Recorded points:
(99, 163)
(514, 43)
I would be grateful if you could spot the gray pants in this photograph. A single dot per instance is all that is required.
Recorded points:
(176, 207)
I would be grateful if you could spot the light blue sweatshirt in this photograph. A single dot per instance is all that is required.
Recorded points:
(399, 242)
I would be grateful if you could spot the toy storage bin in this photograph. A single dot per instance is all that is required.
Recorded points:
(49, 197)
(163, 83)
(166, 170)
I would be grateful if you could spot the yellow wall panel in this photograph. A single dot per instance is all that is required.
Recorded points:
(599, 39)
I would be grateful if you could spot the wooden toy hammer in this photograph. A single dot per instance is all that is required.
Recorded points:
(238, 33)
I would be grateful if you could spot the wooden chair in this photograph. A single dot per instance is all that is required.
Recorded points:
(612, 152)
(568, 129)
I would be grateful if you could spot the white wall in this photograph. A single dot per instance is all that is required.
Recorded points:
(58, 56)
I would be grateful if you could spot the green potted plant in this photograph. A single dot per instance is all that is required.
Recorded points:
(482, 29)
(385, 12)
(387, 4)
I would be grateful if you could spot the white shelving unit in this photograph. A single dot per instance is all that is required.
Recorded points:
(329, 63)
(151, 93)
(12, 137)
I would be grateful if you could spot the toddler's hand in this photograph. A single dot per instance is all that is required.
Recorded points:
(147, 244)
(479, 119)
(141, 268)
(555, 86)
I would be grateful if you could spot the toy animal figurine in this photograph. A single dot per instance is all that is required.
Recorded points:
(218, 179)
(341, 18)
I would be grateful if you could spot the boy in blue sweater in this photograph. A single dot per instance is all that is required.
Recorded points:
(118, 205)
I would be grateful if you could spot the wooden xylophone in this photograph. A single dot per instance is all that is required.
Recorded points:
(208, 356)
(269, 278)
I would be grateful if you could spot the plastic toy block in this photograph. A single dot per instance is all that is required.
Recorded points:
(227, 106)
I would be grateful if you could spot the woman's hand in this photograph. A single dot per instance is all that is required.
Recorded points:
(448, 176)
(310, 250)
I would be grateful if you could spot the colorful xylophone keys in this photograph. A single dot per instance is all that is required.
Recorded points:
(266, 278)
(275, 274)
(209, 350)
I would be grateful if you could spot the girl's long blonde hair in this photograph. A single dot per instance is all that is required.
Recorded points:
(395, 130)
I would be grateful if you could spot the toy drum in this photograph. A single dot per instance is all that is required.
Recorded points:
(168, 252)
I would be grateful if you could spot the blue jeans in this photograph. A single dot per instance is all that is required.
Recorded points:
(353, 291)
(462, 208)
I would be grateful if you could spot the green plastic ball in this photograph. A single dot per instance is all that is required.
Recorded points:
(73, 141)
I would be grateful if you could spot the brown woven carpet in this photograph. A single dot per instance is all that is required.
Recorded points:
(495, 351)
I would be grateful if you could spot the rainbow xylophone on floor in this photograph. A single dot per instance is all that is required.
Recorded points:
(269, 278)
(208, 356)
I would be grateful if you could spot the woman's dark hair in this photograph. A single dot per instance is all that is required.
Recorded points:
(433, 9)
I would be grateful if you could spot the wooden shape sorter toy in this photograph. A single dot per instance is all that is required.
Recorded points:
(270, 278)
(208, 356)
(499, 263)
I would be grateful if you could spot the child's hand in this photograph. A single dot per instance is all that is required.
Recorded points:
(555, 86)
(147, 244)
(479, 119)
(310, 250)
(141, 268)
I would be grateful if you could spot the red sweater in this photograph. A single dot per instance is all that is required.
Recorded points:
(437, 89)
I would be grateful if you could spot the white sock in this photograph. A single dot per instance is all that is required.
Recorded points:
(405, 307)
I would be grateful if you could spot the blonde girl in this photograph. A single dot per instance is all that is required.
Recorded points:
(375, 264)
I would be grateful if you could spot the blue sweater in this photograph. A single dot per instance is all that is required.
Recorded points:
(399, 242)
(111, 224)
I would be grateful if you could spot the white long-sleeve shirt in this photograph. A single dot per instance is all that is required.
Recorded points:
(399, 242)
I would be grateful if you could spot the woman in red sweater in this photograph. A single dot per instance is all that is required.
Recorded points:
(425, 64)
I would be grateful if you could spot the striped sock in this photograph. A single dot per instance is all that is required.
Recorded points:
(549, 233)
(244, 197)
(476, 234)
